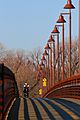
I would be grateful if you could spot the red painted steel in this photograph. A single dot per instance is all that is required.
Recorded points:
(62, 49)
(55, 30)
(45, 53)
(69, 5)
(69, 53)
(61, 19)
(69, 87)
(51, 72)
(47, 47)
(51, 43)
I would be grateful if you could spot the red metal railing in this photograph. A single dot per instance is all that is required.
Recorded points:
(69, 88)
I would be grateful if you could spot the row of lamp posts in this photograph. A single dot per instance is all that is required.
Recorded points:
(50, 56)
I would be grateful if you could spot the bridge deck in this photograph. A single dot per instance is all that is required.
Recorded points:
(45, 109)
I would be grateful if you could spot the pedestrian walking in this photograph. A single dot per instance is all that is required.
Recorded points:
(25, 90)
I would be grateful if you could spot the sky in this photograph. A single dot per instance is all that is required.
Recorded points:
(27, 24)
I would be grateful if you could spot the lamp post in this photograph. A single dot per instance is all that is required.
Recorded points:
(42, 75)
(49, 75)
(79, 38)
(55, 32)
(69, 6)
(61, 20)
(46, 55)
(44, 61)
(52, 71)
(38, 78)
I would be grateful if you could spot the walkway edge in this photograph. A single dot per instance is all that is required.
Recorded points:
(10, 108)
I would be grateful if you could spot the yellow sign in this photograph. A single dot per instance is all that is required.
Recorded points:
(44, 82)
(40, 91)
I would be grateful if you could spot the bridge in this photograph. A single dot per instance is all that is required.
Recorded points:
(59, 84)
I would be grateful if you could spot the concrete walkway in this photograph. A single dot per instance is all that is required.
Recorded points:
(45, 109)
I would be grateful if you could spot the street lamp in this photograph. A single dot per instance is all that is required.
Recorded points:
(46, 54)
(69, 6)
(44, 61)
(55, 32)
(62, 20)
(49, 76)
(52, 45)
(42, 76)
(42, 64)
(47, 48)
(38, 78)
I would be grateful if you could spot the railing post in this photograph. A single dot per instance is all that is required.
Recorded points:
(69, 43)
(48, 71)
(54, 62)
(57, 57)
(51, 74)
(63, 51)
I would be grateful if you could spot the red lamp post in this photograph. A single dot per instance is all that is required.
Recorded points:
(44, 73)
(49, 75)
(42, 65)
(52, 42)
(61, 20)
(39, 77)
(46, 54)
(55, 32)
(44, 61)
(69, 6)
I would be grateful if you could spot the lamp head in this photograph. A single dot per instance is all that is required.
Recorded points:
(47, 47)
(43, 58)
(69, 5)
(61, 19)
(41, 64)
(50, 39)
(55, 30)
(45, 53)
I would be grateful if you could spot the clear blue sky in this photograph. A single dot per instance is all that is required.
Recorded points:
(27, 24)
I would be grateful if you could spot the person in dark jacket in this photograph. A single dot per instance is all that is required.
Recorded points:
(25, 89)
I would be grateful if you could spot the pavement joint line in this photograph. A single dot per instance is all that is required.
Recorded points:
(41, 109)
(53, 111)
(31, 109)
(21, 109)
(72, 100)
(73, 115)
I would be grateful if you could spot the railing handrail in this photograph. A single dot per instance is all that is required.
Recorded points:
(69, 82)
